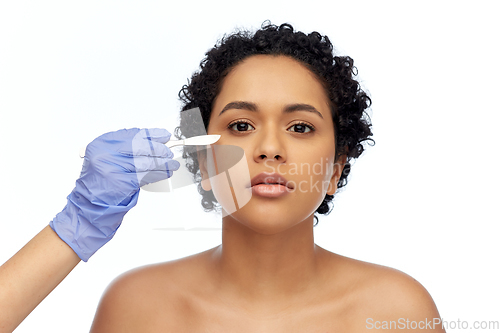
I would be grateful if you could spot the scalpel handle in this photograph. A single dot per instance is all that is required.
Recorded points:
(174, 143)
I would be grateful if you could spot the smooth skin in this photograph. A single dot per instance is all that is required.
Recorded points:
(31, 274)
(268, 275)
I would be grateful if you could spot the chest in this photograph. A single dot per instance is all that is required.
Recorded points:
(217, 317)
(244, 324)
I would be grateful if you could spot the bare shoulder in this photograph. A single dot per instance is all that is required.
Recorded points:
(383, 295)
(145, 299)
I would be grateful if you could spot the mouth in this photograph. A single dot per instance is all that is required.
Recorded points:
(270, 179)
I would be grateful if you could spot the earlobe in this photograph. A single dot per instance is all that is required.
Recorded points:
(332, 188)
(205, 182)
(338, 168)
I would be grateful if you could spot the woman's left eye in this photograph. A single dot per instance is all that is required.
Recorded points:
(302, 128)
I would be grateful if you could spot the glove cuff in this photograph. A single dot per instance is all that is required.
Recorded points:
(78, 224)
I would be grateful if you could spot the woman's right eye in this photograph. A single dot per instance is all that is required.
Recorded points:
(240, 126)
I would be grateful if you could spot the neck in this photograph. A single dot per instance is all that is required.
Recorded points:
(267, 268)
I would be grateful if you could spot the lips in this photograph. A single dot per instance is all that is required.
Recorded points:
(270, 179)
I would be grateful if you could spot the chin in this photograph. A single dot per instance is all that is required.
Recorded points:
(266, 221)
(270, 227)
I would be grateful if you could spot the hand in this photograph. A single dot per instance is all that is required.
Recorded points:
(116, 165)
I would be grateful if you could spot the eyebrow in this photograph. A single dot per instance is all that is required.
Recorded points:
(242, 105)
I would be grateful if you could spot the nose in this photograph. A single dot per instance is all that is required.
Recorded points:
(269, 147)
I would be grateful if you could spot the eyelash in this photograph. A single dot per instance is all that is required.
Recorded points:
(311, 128)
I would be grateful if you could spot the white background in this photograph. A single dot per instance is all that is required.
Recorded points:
(423, 200)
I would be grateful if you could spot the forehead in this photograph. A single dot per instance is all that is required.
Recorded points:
(272, 81)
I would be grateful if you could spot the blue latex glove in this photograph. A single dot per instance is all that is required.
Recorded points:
(116, 165)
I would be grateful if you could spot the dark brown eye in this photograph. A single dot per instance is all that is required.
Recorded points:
(302, 128)
(240, 126)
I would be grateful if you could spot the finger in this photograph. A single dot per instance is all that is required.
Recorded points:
(173, 165)
(152, 177)
(148, 177)
(151, 148)
(148, 142)
(145, 163)
(160, 135)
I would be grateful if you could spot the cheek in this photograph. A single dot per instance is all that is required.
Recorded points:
(312, 172)
(229, 177)
(327, 171)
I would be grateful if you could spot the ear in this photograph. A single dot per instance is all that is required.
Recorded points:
(338, 168)
(202, 162)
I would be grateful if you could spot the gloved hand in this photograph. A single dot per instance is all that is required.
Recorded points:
(116, 165)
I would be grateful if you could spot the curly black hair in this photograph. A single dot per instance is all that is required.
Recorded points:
(348, 101)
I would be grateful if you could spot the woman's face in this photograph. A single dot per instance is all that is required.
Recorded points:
(275, 109)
